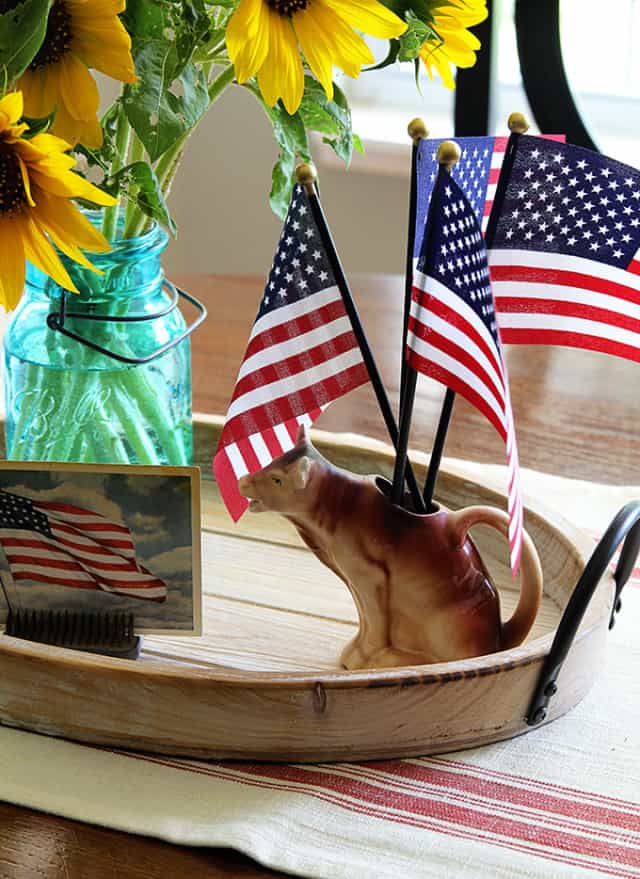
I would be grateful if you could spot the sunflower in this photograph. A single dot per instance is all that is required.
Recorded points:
(263, 38)
(80, 34)
(36, 185)
(456, 45)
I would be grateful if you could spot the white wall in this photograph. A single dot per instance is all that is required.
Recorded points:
(220, 200)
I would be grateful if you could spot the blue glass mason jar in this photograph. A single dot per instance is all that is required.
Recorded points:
(66, 401)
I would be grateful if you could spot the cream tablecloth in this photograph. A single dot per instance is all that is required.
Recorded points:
(562, 801)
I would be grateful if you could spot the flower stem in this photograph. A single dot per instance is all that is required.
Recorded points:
(169, 161)
(136, 155)
(122, 138)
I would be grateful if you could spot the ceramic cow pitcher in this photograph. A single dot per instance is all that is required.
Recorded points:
(421, 589)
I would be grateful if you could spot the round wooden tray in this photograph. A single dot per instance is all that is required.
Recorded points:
(263, 682)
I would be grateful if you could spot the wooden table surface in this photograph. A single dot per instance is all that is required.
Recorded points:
(577, 415)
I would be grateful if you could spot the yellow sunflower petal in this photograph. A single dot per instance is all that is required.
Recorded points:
(281, 75)
(40, 252)
(78, 88)
(12, 107)
(370, 17)
(113, 62)
(326, 39)
(64, 218)
(434, 56)
(25, 181)
(94, 8)
(70, 185)
(248, 38)
(12, 260)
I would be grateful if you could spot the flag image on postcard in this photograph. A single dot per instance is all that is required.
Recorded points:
(302, 354)
(565, 257)
(102, 539)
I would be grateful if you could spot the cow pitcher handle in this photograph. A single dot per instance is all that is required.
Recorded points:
(515, 630)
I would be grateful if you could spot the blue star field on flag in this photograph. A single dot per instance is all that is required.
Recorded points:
(300, 266)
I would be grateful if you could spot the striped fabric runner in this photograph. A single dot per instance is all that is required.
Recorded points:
(562, 801)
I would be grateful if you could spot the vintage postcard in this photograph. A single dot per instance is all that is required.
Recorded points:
(103, 538)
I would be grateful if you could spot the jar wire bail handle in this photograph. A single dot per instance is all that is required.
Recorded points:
(56, 321)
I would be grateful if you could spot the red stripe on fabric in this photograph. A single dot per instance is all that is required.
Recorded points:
(458, 320)
(95, 576)
(79, 532)
(444, 344)
(228, 485)
(248, 455)
(634, 267)
(65, 565)
(289, 328)
(292, 428)
(465, 817)
(79, 511)
(505, 791)
(500, 143)
(42, 544)
(494, 175)
(560, 278)
(272, 443)
(516, 336)
(283, 409)
(58, 581)
(515, 305)
(290, 366)
(283, 778)
(544, 786)
(457, 384)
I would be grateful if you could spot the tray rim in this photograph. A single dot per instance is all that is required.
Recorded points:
(206, 430)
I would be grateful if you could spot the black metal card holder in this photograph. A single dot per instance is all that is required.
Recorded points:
(624, 527)
(109, 634)
(56, 321)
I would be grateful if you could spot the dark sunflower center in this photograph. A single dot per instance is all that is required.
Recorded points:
(288, 7)
(12, 192)
(57, 39)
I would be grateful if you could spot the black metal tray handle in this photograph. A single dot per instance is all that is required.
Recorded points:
(624, 527)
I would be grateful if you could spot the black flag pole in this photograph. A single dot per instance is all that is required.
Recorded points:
(448, 155)
(417, 131)
(306, 177)
(518, 125)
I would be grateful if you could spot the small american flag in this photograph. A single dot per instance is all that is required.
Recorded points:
(302, 354)
(453, 336)
(565, 259)
(65, 545)
(476, 173)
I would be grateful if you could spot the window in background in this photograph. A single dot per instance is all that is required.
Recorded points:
(602, 68)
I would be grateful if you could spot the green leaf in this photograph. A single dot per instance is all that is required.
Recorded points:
(330, 118)
(37, 126)
(22, 32)
(164, 105)
(171, 94)
(139, 181)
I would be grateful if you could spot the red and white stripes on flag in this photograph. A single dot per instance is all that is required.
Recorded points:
(79, 549)
(565, 257)
(579, 303)
(453, 335)
(448, 343)
(301, 355)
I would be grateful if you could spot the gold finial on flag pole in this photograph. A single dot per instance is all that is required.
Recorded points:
(306, 175)
(417, 130)
(448, 154)
(518, 123)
